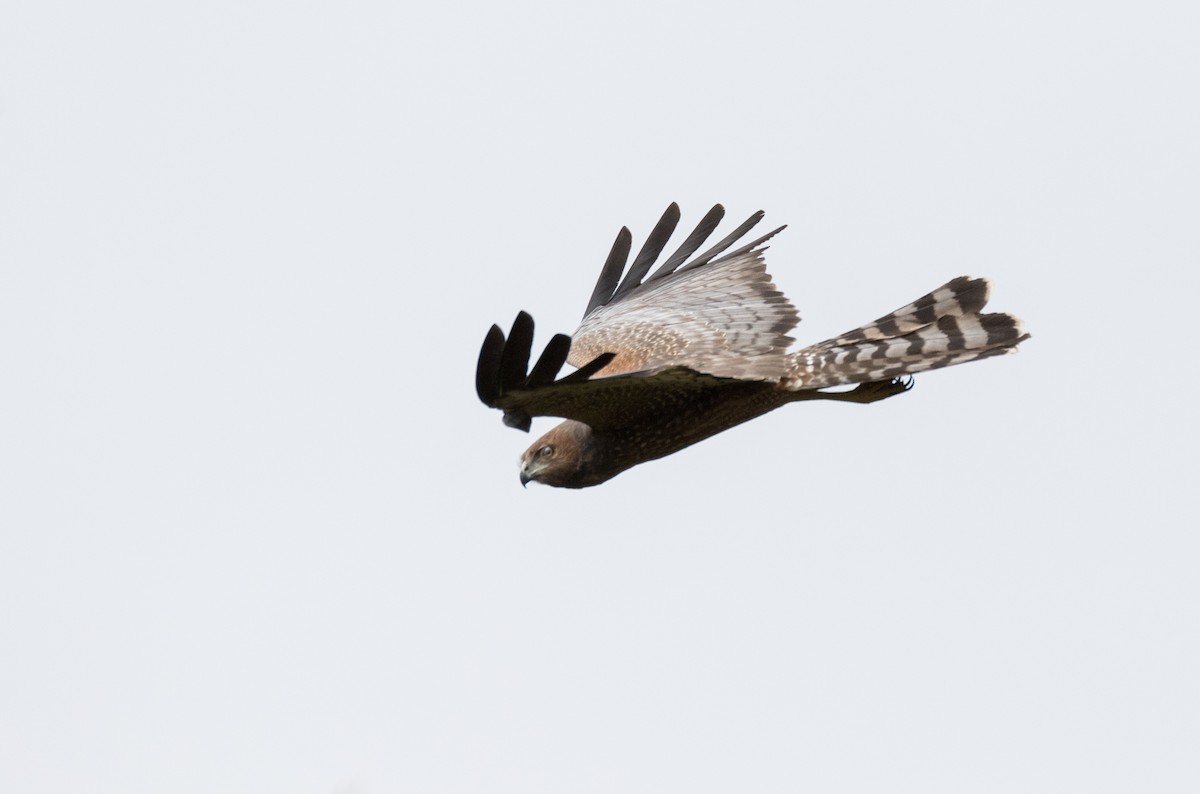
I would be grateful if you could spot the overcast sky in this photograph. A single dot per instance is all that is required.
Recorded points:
(257, 533)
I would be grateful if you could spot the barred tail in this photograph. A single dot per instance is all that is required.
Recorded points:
(942, 328)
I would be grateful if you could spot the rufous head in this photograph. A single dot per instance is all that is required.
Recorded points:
(560, 457)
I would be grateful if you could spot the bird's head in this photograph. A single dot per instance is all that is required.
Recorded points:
(559, 458)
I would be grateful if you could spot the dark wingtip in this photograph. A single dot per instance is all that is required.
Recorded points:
(502, 365)
(610, 274)
(518, 420)
(487, 371)
(589, 369)
(550, 362)
(514, 362)
(707, 225)
(654, 245)
(748, 247)
(729, 240)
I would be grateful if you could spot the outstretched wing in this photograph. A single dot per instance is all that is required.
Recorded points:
(714, 314)
(503, 380)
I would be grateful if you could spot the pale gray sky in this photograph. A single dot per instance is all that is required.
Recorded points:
(259, 535)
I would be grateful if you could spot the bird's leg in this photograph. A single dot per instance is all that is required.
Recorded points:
(864, 393)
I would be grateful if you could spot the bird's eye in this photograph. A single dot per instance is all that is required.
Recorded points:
(546, 451)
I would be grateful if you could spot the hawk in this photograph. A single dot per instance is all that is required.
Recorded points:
(702, 345)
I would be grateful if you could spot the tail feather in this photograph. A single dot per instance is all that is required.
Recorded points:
(937, 330)
(963, 295)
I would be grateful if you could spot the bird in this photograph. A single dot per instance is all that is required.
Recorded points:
(667, 359)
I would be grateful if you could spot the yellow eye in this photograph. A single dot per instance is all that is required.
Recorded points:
(545, 451)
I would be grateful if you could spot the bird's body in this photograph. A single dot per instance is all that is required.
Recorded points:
(678, 420)
(701, 347)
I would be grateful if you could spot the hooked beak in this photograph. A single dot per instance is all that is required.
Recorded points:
(525, 478)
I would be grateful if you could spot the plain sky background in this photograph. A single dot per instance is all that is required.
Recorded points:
(257, 534)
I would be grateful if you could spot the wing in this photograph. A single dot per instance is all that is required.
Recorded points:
(503, 380)
(714, 314)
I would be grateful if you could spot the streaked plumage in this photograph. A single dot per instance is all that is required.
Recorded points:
(702, 345)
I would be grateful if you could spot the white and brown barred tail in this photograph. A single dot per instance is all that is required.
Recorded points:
(942, 328)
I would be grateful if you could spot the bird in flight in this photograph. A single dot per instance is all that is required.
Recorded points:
(701, 345)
